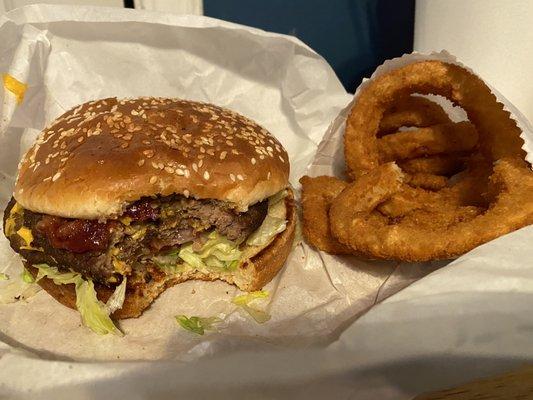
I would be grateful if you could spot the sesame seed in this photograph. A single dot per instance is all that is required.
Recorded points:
(239, 177)
(186, 193)
(170, 170)
(124, 145)
(206, 175)
(186, 173)
(148, 153)
(200, 163)
(253, 160)
(80, 139)
(281, 158)
(153, 179)
(56, 176)
(140, 163)
(223, 155)
(195, 167)
(179, 171)
(268, 175)
(232, 177)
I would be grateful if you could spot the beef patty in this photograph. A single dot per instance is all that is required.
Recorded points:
(103, 251)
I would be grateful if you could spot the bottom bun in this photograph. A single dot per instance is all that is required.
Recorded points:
(258, 271)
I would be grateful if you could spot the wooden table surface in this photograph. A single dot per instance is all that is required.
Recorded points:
(514, 385)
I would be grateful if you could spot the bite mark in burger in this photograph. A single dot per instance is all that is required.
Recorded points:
(147, 193)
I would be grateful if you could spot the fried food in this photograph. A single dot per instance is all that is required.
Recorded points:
(441, 164)
(437, 139)
(416, 111)
(417, 204)
(357, 223)
(412, 111)
(317, 195)
(498, 134)
(435, 192)
(427, 181)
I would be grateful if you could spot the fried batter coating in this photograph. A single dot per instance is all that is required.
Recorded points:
(498, 134)
(444, 138)
(441, 164)
(427, 181)
(412, 111)
(429, 233)
(317, 195)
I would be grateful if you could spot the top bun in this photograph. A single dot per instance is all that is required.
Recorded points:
(100, 156)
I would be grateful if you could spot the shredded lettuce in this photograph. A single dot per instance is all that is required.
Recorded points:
(270, 227)
(277, 197)
(273, 223)
(26, 276)
(167, 260)
(244, 301)
(59, 278)
(197, 325)
(3, 276)
(94, 313)
(116, 300)
(217, 252)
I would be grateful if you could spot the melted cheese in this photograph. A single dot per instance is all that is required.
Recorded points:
(26, 235)
(126, 220)
(120, 266)
(10, 221)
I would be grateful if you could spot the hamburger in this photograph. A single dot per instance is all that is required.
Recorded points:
(118, 200)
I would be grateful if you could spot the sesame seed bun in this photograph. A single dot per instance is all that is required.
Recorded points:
(98, 157)
(254, 272)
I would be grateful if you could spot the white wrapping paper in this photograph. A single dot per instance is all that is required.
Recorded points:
(69, 56)
(291, 91)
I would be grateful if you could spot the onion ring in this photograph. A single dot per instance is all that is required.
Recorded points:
(412, 111)
(427, 181)
(498, 134)
(437, 139)
(357, 223)
(317, 195)
(441, 164)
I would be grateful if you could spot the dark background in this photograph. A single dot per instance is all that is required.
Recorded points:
(354, 36)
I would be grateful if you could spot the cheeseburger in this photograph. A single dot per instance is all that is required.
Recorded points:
(120, 199)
